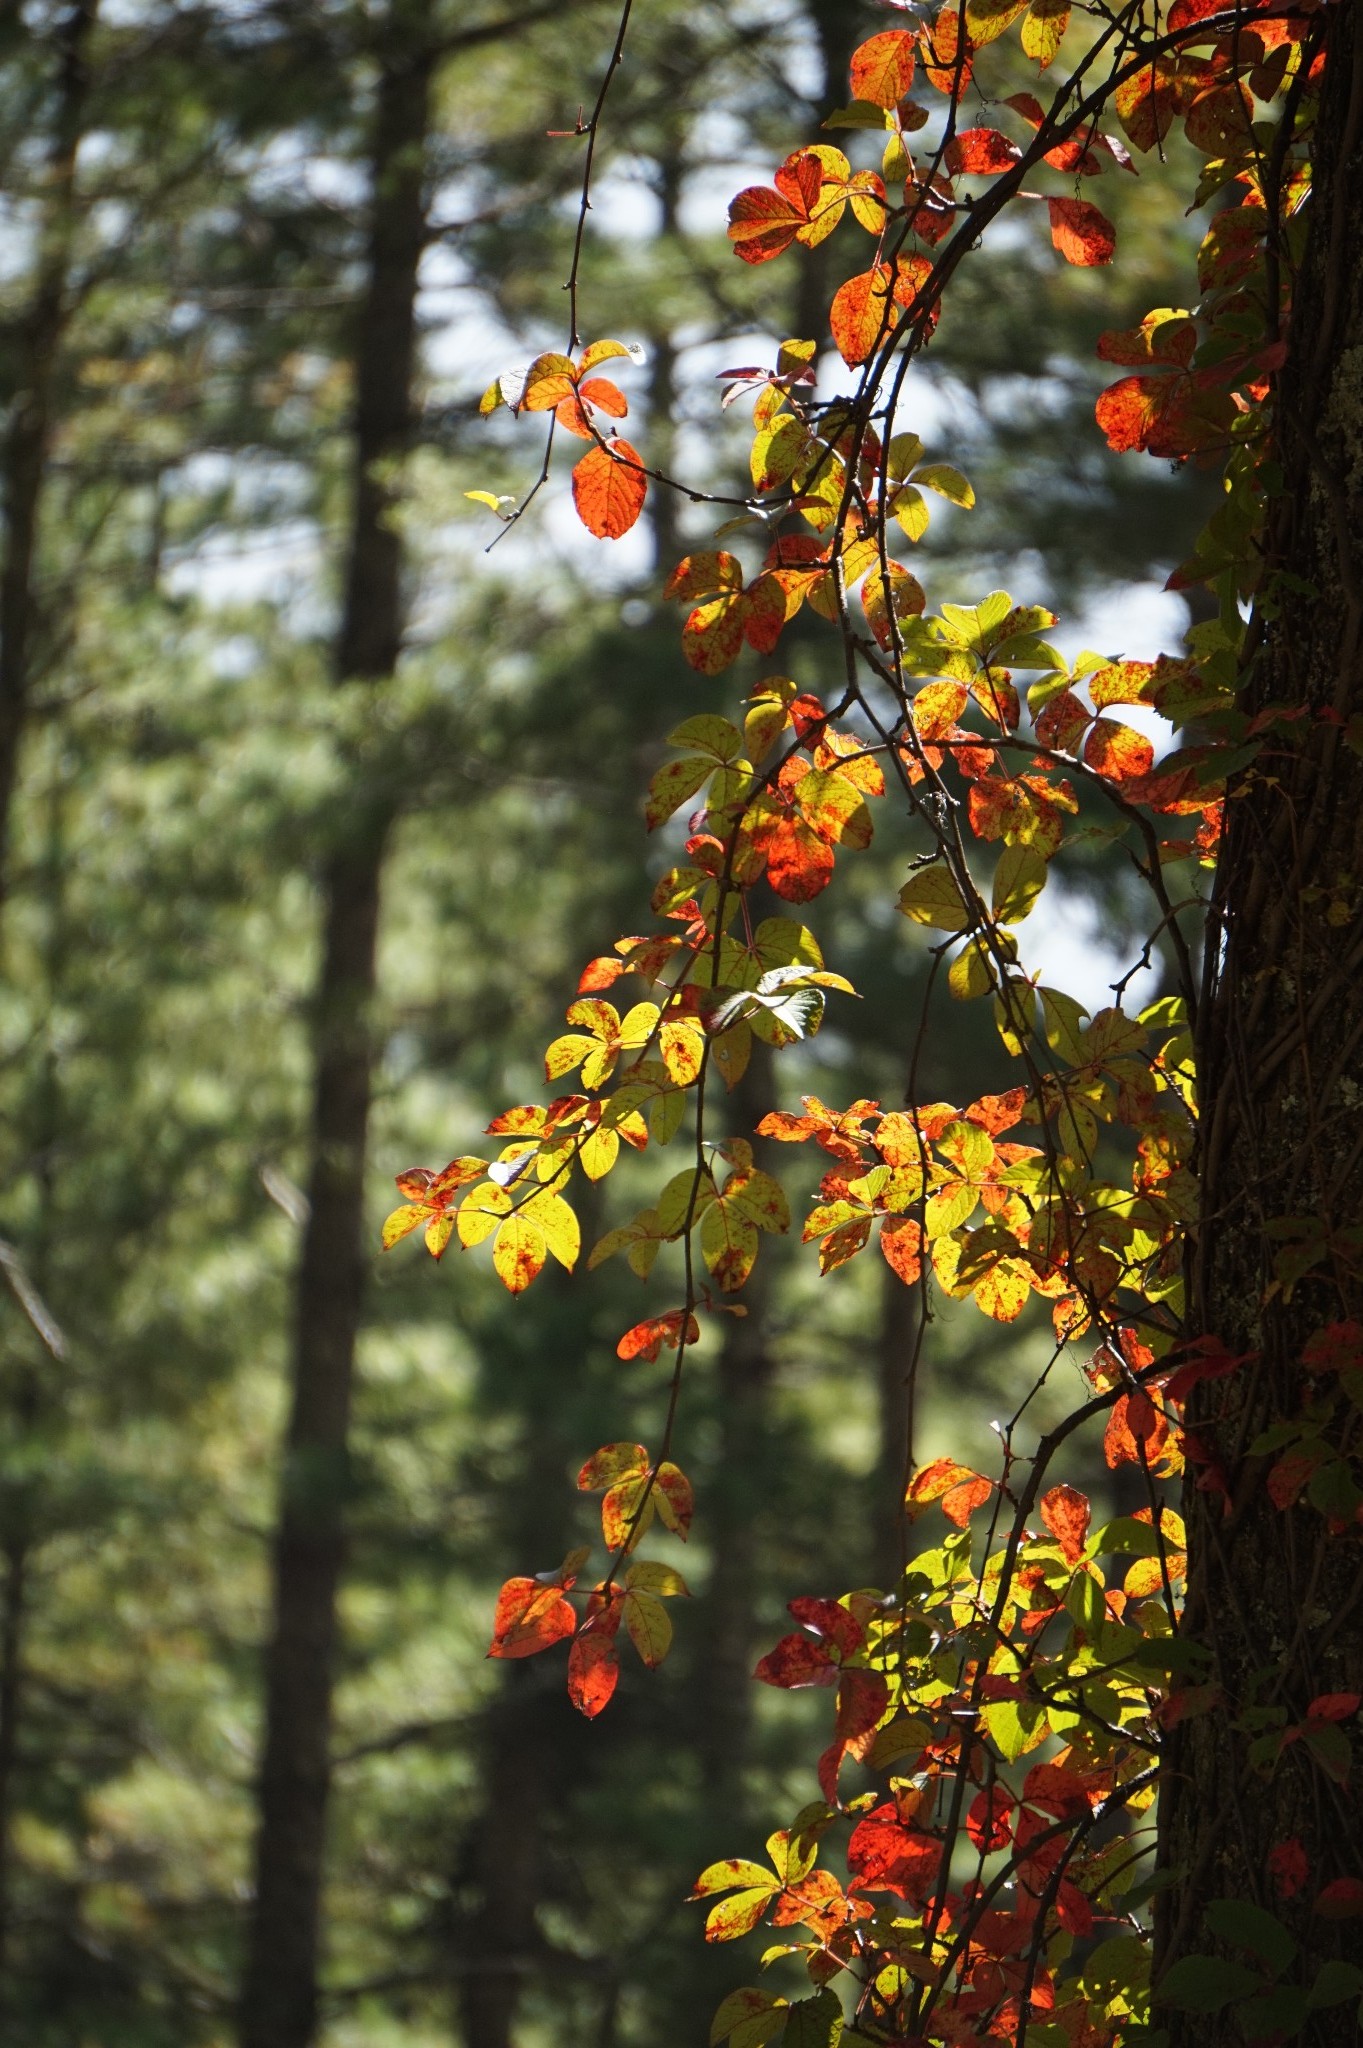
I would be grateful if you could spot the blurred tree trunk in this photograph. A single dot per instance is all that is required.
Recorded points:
(37, 342)
(1273, 1596)
(896, 1341)
(27, 447)
(728, 1626)
(279, 2001)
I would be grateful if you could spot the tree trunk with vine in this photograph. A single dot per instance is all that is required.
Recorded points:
(1275, 1593)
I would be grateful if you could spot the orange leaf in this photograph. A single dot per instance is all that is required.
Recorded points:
(938, 1480)
(763, 222)
(882, 69)
(593, 1670)
(982, 151)
(609, 488)
(1066, 1513)
(530, 1617)
(646, 1339)
(1117, 752)
(1081, 233)
(862, 313)
(901, 1240)
(941, 45)
(1134, 1421)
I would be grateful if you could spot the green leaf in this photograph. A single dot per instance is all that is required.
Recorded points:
(1205, 1984)
(1335, 1981)
(711, 735)
(1015, 1725)
(748, 2018)
(931, 897)
(947, 482)
(1126, 1537)
(1018, 880)
(814, 2022)
(968, 974)
(1274, 2014)
(1245, 1925)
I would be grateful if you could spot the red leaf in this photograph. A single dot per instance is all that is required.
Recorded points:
(830, 1619)
(1288, 1867)
(593, 1670)
(1336, 1348)
(989, 1822)
(1081, 233)
(885, 1856)
(882, 69)
(982, 151)
(1066, 1513)
(1290, 1475)
(797, 1661)
(763, 222)
(1334, 1706)
(1073, 1910)
(609, 489)
(1341, 1900)
(646, 1339)
(799, 863)
(1134, 1421)
(862, 1698)
(530, 1617)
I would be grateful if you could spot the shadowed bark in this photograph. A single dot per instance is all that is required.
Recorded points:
(1275, 1598)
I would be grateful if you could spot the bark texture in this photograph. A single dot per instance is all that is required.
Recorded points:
(1274, 1596)
(279, 2005)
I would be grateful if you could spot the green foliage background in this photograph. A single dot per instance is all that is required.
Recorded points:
(499, 1870)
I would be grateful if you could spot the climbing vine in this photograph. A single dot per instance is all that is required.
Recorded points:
(1012, 1692)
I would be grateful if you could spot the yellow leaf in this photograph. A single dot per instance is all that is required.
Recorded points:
(557, 1224)
(518, 1254)
(438, 1233)
(401, 1221)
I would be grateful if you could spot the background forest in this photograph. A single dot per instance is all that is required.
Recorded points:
(216, 734)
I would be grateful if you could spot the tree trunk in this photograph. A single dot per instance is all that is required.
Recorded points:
(1274, 1596)
(29, 436)
(901, 1310)
(280, 1990)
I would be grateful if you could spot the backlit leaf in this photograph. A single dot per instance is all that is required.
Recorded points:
(609, 488)
(593, 1671)
(882, 68)
(1081, 233)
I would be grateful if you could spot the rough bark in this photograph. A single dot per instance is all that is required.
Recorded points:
(1274, 1596)
(29, 435)
(279, 2003)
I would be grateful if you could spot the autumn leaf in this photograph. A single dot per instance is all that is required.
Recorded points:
(646, 1339)
(1081, 233)
(882, 68)
(1066, 1513)
(609, 488)
(763, 222)
(530, 1617)
(593, 1668)
(982, 151)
